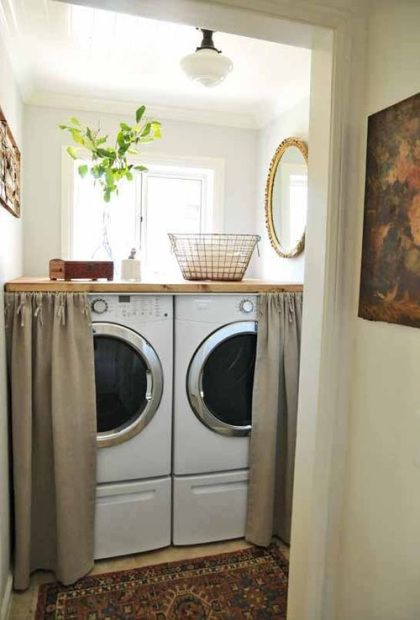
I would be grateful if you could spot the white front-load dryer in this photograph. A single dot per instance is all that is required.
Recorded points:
(215, 348)
(133, 346)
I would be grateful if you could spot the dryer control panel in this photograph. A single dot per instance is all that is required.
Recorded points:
(216, 308)
(120, 307)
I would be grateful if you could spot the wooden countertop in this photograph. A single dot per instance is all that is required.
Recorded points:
(149, 286)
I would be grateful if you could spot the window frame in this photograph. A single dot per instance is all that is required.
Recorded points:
(214, 201)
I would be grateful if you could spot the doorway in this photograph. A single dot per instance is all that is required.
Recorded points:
(327, 330)
(316, 502)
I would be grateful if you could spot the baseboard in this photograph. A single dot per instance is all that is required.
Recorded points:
(7, 597)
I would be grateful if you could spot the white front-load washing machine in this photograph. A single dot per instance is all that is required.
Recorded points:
(215, 348)
(133, 345)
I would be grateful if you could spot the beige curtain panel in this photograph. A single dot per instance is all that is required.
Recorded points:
(53, 411)
(274, 413)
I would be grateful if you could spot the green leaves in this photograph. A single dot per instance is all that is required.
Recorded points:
(139, 113)
(72, 152)
(76, 134)
(83, 170)
(110, 164)
(156, 128)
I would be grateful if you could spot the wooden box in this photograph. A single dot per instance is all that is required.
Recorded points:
(83, 269)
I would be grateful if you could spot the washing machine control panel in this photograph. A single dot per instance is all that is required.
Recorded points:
(120, 307)
(247, 306)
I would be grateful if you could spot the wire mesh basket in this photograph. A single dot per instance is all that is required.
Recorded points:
(213, 256)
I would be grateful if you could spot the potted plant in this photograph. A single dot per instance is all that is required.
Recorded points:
(110, 164)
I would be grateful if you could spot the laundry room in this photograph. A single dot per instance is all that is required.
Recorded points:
(209, 295)
(155, 175)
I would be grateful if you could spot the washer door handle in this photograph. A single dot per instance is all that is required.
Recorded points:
(149, 385)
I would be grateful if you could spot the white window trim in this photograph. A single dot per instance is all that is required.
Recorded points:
(214, 216)
(67, 201)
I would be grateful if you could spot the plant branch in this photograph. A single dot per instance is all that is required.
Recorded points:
(110, 164)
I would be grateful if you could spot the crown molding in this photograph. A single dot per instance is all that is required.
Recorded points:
(190, 115)
(262, 118)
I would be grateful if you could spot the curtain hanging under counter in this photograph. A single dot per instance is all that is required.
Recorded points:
(53, 411)
(274, 415)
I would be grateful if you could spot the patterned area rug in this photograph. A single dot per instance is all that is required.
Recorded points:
(244, 585)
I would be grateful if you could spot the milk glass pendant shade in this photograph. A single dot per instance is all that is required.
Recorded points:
(207, 65)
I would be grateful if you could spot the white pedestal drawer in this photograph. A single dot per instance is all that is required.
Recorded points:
(209, 507)
(132, 517)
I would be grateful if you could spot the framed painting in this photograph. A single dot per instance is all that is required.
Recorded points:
(9, 169)
(390, 272)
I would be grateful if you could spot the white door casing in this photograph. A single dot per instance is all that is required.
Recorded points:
(336, 32)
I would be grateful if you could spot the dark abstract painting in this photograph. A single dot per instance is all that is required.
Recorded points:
(390, 276)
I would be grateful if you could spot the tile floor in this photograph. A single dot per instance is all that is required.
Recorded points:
(23, 604)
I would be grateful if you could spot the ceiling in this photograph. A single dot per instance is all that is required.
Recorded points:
(84, 58)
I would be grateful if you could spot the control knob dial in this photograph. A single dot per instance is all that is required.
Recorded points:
(246, 305)
(99, 306)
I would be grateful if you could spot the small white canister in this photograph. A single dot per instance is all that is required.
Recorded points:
(130, 267)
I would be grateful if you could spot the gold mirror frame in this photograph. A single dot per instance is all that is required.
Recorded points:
(303, 148)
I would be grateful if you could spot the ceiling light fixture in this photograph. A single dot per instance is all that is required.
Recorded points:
(207, 65)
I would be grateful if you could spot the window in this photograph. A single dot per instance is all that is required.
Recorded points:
(173, 196)
(298, 192)
(290, 218)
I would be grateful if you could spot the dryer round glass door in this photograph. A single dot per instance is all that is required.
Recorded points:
(221, 376)
(129, 383)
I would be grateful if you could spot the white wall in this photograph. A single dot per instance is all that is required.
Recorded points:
(43, 147)
(10, 267)
(293, 123)
(380, 555)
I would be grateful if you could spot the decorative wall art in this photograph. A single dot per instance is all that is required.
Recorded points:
(9, 169)
(390, 275)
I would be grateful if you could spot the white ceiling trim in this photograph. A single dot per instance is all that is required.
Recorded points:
(90, 104)
(296, 33)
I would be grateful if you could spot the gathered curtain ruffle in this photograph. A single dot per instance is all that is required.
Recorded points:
(53, 418)
(274, 417)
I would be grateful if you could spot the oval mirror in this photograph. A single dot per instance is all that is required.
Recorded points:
(286, 197)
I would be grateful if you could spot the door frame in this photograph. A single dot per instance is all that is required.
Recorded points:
(335, 30)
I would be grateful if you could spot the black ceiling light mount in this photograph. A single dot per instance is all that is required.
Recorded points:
(207, 43)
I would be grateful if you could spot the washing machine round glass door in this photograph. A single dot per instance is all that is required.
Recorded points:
(129, 383)
(221, 376)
